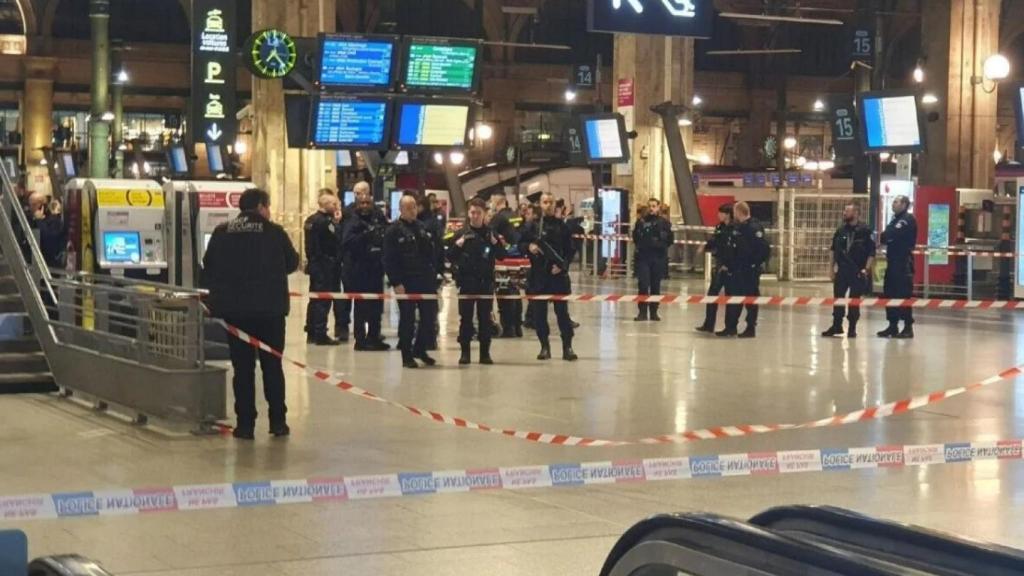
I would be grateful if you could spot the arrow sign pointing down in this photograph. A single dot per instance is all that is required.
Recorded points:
(214, 132)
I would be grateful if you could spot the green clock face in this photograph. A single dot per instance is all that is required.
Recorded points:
(271, 54)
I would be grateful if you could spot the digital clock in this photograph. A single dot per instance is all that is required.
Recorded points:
(271, 54)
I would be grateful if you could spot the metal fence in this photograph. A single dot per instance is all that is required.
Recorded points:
(812, 220)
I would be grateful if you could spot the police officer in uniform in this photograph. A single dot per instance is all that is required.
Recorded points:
(412, 262)
(246, 268)
(323, 264)
(899, 238)
(721, 246)
(505, 224)
(751, 254)
(548, 241)
(473, 252)
(853, 255)
(362, 248)
(652, 236)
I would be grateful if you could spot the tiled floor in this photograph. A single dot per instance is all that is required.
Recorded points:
(633, 380)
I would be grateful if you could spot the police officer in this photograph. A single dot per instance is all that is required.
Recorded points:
(323, 264)
(362, 248)
(412, 262)
(853, 255)
(652, 236)
(751, 254)
(505, 224)
(899, 238)
(549, 244)
(246, 270)
(473, 252)
(722, 247)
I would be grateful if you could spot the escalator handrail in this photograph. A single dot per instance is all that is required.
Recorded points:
(695, 526)
(920, 544)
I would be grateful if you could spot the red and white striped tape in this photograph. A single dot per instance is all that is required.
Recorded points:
(779, 301)
(865, 414)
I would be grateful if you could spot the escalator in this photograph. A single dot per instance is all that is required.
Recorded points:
(891, 542)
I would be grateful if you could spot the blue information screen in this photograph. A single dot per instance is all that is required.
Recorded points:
(215, 158)
(356, 62)
(122, 247)
(433, 124)
(347, 123)
(891, 122)
(179, 163)
(604, 141)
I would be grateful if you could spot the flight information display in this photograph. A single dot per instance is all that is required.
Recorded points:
(891, 123)
(441, 66)
(436, 125)
(350, 123)
(355, 62)
(604, 139)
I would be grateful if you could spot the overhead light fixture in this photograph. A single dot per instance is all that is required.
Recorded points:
(697, 101)
(684, 122)
(789, 143)
(819, 105)
(457, 158)
(996, 68)
(918, 74)
(570, 95)
(704, 159)
(484, 131)
(884, 156)
(108, 116)
(438, 158)
(544, 136)
(794, 19)
(929, 98)
(122, 76)
(812, 166)
(801, 161)
(43, 162)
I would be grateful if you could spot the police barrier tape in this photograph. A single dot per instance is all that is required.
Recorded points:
(779, 301)
(871, 413)
(921, 250)
(328, 489)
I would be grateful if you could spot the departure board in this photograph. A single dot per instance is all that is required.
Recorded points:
(355, 62)
(435, 125)
(891, 122)
(604, 139)
(350, 123)
(441, 66)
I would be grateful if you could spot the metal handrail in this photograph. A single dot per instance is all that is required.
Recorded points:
(38, 265)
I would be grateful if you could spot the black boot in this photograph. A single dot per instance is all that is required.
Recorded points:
(907, 333)
(485, 353)
(727, 333)
(654, 313)
(519, 331)
(408, 361)
(891, 331)
(835, 330)
(545, 350)
(642, 315)
(567, 352)
(708, 328)
(426, 359)
(507, 332)
(852, 332)
(750, 332)
(323, 340)
(464, 358)
(280, 429)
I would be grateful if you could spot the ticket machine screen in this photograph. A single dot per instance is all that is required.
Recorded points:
(122, 247)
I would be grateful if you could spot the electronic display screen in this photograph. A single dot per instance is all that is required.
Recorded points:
(179, 162)
(432, 125)
(356, 61)
(692, 18)
(345, 123)
(122, 247)
(441, 65)
(395, 204)
(604, 139)
(344, 159)
(215, 157)
(1018, 104)
(348, 198)
(70, 170)
(891, 122)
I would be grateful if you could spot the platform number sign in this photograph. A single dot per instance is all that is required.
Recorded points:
(863, 46)
(843, 118)
(576, 156)
(583, 76)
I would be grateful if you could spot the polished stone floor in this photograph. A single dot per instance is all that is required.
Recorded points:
(633, 380)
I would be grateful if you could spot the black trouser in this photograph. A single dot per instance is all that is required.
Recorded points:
(343, 314)
(368, 313)
(270, 331)
(540, 320)
(718, 281)
(744, 282)
(899, 283)
(848, 281)
(323, 277)
(649, 273)
(483, 308)
(414, 337)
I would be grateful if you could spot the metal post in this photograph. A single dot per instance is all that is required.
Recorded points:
(709, 264)
(685, 191)
(927, 282)
(970, 275)
(99, 130)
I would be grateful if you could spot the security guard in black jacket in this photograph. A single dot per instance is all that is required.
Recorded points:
(506, 224)
(246, 270)
(412, 262)
(323, 264)
(652, 236)
(473, 252)
(752, 252)
(853, 255)
(362, 248)
(548, 242)
(899, 239)
(722, 247)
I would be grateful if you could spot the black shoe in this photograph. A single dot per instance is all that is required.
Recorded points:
(485, 359)
(519, 331)
(642, 316)
(244, 433)
(727, 333)
(906, 334)
(280, 430)
(889, 332)
(426, 359)
(465, 357)
(507, 333)
(322, 341)
(377, 346)
(568, 355)
(705, 328)
(545, 353)
(409, 362)
(575, 324)
(852, 332)
(655, 317)
(341, 334)
(748, 333)
(833, 331)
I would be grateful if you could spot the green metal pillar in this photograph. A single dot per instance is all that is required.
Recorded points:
(117, 127)
(99, 129)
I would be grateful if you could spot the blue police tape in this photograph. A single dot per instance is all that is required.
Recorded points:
(339, 489)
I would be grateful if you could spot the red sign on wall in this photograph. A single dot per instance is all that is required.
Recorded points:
(625, 93)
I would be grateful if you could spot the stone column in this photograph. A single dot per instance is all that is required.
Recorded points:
(957, 37)
(661, 69)
(292, 177)
(37, 119)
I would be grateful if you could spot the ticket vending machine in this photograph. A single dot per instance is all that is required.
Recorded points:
(117, 227)
(194, 210)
